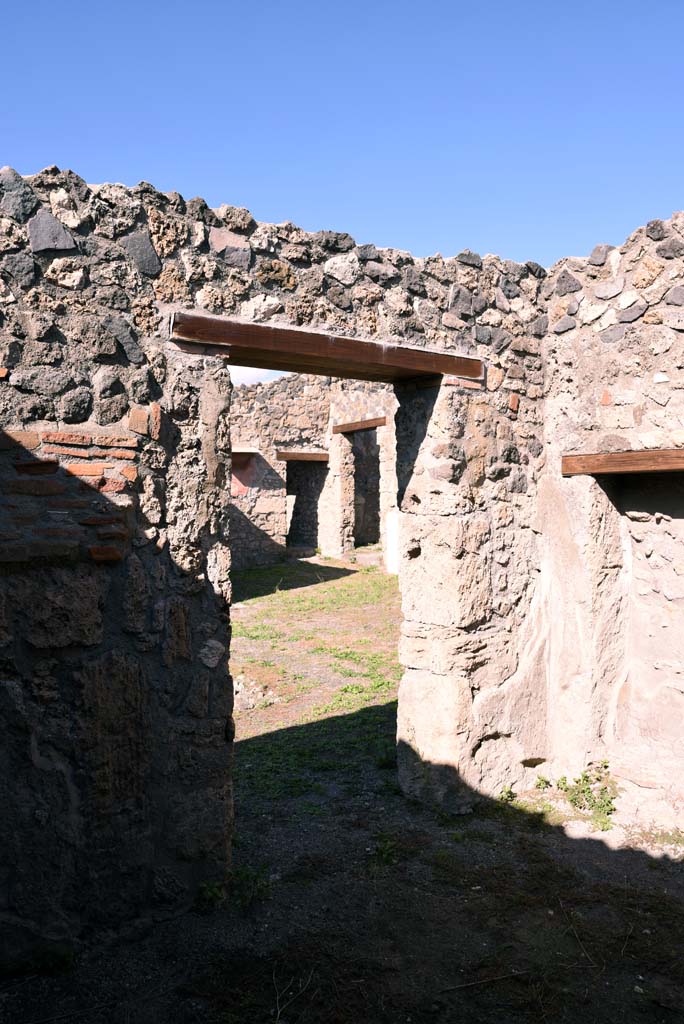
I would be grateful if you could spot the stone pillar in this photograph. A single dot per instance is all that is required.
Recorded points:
(389, 513)
(336, 506)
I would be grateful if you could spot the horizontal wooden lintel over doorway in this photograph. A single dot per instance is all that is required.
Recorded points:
(348, 428)
(305, 351)
(300, 455)
(650, 460)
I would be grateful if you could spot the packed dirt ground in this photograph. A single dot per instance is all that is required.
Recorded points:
(350, 904)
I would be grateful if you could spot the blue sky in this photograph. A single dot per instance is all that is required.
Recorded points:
(530, 129)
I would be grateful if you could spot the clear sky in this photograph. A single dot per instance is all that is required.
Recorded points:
(532, 129)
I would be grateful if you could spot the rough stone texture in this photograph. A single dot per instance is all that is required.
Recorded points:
(610, 596)
(539, 613)
(115, 695)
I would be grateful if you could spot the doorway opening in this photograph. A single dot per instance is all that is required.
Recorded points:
(366, 454)
(305, 481)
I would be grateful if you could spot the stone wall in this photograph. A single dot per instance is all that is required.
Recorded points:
(114, 584)
(540, 614)
(613, 548)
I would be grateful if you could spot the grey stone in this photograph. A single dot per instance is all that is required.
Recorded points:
(47, 234)
(539, 326)
(515, 271)
(632, 313)
(20, 268)
(107, 382)
(17, 198)
(138, 245)
(567, 283)
(655, 229)
(536, 269)
(413, 281)
(211, 652)
(671, 248)
(471, 259)
(334, 241)
(92, 334)
(613, 334)
(339, 297)
(75, 405)
(500, 339)
(368, 252)
(609, 289)
(599, 255)
(125, 337)
(141, 386)
(501, 302)
(41, 380)
(509, 288)
(566, 323)
(111, 410)
(675, 296)
(461, 301)
(381, 272)
(231, 247)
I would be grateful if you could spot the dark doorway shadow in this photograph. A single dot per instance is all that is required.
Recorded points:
(366, 454)
(651, 494)
(305, 482)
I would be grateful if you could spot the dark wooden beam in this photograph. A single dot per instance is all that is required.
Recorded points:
(300, 455)
(652, 460)
(348, 428)
(304, 351)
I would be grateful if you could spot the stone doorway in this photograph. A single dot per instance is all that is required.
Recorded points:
(305, 482)
(366, 456)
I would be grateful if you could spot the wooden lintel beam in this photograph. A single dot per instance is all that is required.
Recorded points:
(300, 455)
(650, 460)
(348, 428)
(305, 351)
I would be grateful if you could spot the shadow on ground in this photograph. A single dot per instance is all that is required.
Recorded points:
(383, 910)
(349, 904)
(284, 576)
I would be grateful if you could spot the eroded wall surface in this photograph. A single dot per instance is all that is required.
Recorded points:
(613, 561)
(114, 588)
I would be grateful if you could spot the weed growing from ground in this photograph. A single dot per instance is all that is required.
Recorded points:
(210, 896)
(249, 885)
(593, 792)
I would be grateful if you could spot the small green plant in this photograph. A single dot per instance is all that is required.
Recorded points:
(210, 896)
(592, 792)
(386, 757)
(542, 783)
(386, 849)
(249, 885)
(507, 796)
